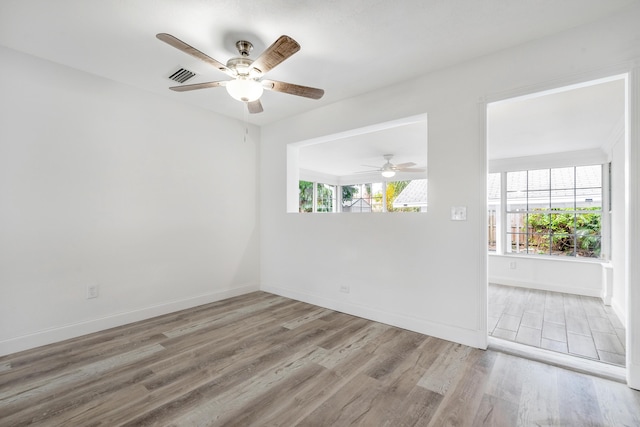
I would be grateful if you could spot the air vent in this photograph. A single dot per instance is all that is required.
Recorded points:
(181, 75)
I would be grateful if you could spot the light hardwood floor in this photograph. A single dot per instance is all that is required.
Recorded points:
(264, 360)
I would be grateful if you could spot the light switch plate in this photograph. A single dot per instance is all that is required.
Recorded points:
(458, 213)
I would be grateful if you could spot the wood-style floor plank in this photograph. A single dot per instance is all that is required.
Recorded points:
(264, 360)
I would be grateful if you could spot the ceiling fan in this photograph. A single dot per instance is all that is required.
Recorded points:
(247, 83)
(389, 169)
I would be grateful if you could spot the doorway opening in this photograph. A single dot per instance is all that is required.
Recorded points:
(556, 224)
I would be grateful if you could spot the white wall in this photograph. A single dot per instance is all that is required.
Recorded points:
(547, 274)
(423, 272)
(104, 184)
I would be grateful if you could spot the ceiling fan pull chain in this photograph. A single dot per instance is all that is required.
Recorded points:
(246, 124)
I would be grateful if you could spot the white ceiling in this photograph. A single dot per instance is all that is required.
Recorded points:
(568, 120)
(351, 156)
(349, 47)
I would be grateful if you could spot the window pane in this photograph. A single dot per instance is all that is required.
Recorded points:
(326, 195)
(589, 176)
(492, 229)
(539, 243)
(348, 192)
(562, 178)
(493, 202)
(588, 246)
(359, 198)
(516, 242)
(516, 223)
(305, 200)
(589, 186)
(538, 179)
(588, 198)
(539, 199)
(562, 188)
(376, 196)
(589, 223)
(493, 188)
(552, 211)
(562, 223)
(562, 244)
(539, 222)
(516, 191)
(516, 181)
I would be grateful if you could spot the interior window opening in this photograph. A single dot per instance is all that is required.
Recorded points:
(377, 169)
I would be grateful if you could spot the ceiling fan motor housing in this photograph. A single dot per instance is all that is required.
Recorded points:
(242, 66)
(244, 47)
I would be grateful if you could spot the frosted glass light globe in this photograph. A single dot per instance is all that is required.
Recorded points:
(245, 90)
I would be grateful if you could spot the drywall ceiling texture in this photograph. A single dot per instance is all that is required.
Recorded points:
(423, 271)
(105, 184)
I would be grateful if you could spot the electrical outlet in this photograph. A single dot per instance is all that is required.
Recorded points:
(512, 265)
(92, 291)
(345, 289)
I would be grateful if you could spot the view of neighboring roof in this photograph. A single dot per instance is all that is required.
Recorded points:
(560, 182)
(414, 195)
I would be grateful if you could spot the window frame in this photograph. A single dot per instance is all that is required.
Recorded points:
(509, 208)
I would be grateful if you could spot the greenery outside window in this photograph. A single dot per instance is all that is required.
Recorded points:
(326, 198)
(556, 211)
(354, 198)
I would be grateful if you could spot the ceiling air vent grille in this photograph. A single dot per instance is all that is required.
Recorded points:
(181, 75)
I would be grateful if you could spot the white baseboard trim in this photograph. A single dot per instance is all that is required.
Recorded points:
(597, 293)
(49, 336)
(619, 311)
(472, 338)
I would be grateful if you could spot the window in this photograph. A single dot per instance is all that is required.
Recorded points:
(555, 211)
(493, 203)
(323, 199)
(305, 199)
(342, 172)
(395, 196)
(326, 195)
(360, 198)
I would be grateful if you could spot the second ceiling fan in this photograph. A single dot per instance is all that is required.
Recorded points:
(247, 83)
(389, 169)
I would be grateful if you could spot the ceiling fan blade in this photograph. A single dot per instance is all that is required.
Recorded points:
(411, 170)
(190, 50)
(404, 165)
(280, 50)
(293, 89)
(255, 107)
(185, 88)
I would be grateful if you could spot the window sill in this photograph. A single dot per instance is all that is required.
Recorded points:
(552, 258)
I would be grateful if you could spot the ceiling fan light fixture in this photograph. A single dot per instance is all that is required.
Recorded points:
(245, 90)
(387, 169)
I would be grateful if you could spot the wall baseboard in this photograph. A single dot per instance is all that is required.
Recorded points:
(619, 311)
(472, 338)
(53, 335)
(576, 290)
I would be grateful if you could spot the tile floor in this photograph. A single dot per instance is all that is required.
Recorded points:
(566, 323)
